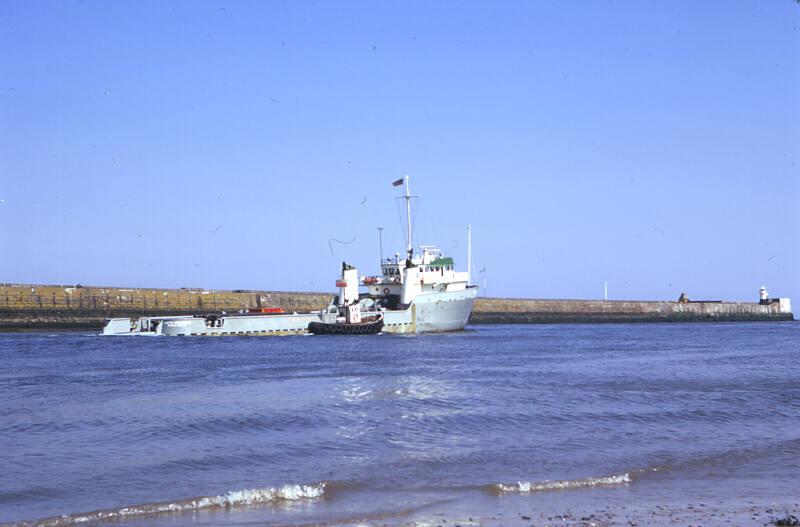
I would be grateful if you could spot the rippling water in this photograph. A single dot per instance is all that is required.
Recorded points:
(301, 429)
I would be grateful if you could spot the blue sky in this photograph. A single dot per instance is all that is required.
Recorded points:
(654, 145)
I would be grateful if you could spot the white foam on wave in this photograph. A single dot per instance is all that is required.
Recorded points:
(528, 486)
(227, 500)
(255, 496)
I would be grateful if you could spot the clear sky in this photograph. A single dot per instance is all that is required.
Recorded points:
(652, 144)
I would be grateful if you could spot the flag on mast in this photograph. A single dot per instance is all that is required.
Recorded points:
(397, 183)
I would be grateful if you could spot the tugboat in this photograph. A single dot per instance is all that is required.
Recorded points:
(367, 326)
(419, 293)
(352, 323)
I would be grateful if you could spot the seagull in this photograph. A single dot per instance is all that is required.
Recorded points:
(217, 229)
(364, 200)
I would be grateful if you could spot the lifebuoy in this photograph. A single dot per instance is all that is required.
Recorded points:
(386, 291)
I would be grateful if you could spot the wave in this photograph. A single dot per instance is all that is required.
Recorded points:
(229, 499)
(524, 487)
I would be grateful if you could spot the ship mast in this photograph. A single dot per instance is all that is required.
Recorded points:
(469, 254)
(407, 197)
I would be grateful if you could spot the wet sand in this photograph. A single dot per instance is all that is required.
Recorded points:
(690, 514)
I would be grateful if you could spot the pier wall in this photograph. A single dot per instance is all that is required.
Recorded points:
(521, 311)
(72, 307)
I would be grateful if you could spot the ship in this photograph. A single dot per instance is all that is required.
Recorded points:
(419, 292)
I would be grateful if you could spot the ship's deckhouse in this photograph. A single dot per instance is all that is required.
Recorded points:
(440, 269)
(430, 272)
(392, 270)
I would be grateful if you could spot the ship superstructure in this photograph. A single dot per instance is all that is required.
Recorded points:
(418, 293)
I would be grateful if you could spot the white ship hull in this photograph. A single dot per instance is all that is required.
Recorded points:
(432, 313)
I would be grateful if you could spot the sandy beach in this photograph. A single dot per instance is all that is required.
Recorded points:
(690, 514)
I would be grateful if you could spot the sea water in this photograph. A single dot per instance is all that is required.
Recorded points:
(293, 430)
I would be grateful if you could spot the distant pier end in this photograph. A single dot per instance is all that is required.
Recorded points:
(46, 307)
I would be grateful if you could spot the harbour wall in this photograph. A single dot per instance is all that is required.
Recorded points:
(32, 307)
(520, 311)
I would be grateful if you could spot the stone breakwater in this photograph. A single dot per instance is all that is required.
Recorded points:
(519, 311)
(75, 307)
(78, 307)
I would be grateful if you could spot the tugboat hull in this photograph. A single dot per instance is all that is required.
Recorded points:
(369, 328)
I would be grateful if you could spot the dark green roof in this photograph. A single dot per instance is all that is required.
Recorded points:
(442, 261)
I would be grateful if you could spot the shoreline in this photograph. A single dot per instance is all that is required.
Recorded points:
(562, 508)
